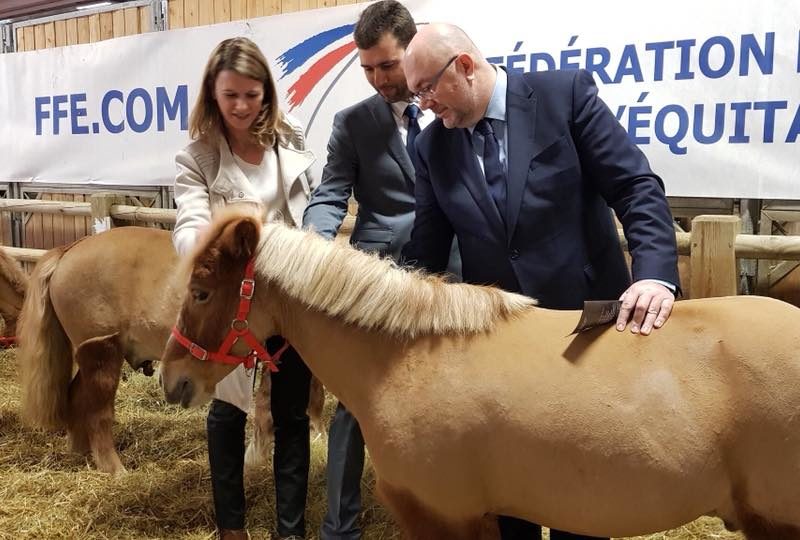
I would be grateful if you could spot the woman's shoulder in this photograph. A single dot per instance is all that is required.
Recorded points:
(201, 152)
(200, 147)
(293, 122)
(296, 135)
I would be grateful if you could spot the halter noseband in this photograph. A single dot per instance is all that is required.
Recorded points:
(239, 329)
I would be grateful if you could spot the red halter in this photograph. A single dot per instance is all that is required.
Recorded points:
(239, 329)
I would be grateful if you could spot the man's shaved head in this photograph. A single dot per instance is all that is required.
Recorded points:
(458, 95)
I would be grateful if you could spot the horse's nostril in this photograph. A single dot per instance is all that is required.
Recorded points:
(180, 392)
(147, 368)
(185, 391)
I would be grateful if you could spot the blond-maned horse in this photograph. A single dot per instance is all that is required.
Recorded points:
(95, 304)
(473, 402)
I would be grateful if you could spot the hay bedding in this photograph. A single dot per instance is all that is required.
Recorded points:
(48, 493)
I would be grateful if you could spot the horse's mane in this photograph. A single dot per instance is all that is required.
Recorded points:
(374, 293)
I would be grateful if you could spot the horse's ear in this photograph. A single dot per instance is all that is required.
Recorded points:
(241, 238)
(247, 231)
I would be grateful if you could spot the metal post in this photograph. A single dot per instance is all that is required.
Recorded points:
(159, 19)
(17, 223)
(6, 37)
(749, 212)
(166, 197)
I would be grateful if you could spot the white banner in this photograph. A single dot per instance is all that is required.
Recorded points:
(709, 90)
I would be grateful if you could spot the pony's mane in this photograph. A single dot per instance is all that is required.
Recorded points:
(374, 293)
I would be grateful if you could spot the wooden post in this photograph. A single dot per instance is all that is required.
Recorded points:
(101, 210)
(713, 258)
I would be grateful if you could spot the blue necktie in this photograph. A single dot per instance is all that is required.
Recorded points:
(411, 112)
(492, 167)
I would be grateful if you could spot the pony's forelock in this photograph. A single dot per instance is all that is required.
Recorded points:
(222, 218)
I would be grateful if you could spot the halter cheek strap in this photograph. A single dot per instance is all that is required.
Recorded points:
(240, 329)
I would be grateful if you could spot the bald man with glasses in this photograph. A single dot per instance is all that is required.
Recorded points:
(524, 169)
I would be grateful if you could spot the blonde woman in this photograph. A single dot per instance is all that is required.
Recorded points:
(246, 150)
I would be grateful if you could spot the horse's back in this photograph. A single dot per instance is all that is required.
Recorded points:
(707, 404)
(753, 332)
(113, 281)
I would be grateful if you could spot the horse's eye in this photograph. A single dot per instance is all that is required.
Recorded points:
(199, 295)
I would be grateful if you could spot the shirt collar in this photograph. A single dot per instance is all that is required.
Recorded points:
(496, 110)
(497, 103)
(399, 107)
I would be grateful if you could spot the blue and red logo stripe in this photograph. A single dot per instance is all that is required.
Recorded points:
(300, 54)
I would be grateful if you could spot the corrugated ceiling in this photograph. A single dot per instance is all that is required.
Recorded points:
(10, 9)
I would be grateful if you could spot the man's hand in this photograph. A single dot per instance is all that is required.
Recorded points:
(649, 303)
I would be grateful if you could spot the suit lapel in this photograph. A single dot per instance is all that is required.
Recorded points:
(387, 127)
(521, 116)
(465, 167)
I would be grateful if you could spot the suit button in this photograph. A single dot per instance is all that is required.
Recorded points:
(514, 254)
(241, 194)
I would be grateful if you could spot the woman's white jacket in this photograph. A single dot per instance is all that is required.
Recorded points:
(208, 178)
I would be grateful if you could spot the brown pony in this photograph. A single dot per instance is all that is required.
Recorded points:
(472, 401)
(96, 303)
(13, 284)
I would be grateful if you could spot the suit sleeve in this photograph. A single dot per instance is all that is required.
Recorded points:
(432, 234)
(328, 205)
(622, 175)
(192, 201)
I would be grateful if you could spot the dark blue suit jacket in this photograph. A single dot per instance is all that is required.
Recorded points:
(569, 160)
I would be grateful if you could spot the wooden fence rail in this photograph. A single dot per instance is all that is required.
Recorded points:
(122, 212)
(24, 254)
(713, 245)
(747, 246)
(65, 208)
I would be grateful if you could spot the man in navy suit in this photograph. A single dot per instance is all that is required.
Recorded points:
(522, 169)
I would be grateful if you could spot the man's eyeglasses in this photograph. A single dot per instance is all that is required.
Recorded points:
(430, 90)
